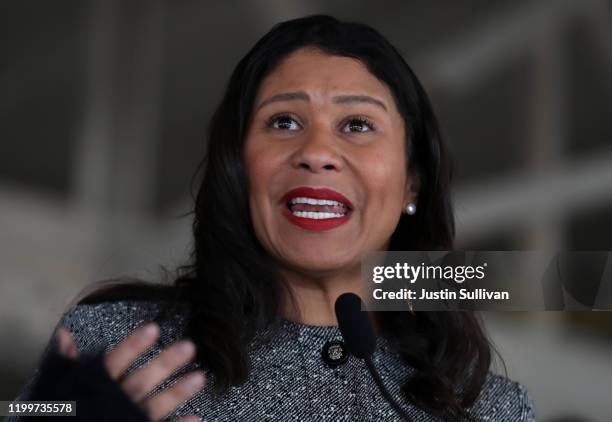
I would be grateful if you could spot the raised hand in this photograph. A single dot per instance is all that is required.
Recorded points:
(143, 380)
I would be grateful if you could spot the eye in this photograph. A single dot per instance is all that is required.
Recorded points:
(283, 122)
(358, 124)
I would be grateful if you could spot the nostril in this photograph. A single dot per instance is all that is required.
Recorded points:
(328, 166)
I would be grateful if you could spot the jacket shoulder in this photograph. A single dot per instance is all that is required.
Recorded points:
(99, 327)
(117, 307)
(504, 399)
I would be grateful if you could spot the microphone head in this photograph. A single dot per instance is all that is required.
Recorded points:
(355, 325)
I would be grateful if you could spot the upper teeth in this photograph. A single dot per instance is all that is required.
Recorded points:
(312, 201)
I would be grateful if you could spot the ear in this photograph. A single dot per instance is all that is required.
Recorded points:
(413, 184)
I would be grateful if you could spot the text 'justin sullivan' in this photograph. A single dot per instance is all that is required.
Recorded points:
(444, 294)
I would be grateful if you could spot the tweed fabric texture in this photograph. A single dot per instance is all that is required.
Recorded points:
(289, 380)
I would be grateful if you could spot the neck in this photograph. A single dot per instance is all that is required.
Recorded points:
(315, 296)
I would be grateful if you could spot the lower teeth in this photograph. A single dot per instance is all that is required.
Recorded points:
(317, 215)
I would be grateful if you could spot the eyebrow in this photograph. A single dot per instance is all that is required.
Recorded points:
(341, 99)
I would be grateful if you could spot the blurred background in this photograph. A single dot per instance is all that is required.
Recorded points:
(104, 107)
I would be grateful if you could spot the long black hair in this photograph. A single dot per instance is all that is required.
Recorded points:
(231, 285)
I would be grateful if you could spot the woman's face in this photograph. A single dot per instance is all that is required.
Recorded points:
(325, 159)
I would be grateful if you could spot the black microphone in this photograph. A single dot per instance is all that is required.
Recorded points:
(360, 339)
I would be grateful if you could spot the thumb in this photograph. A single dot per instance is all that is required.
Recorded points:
(66, 345)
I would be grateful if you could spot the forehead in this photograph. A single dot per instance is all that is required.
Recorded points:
(323, 74)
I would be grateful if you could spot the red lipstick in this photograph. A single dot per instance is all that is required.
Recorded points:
(314, 193)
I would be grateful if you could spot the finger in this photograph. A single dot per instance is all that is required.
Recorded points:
(66, 343)
(142, 381)
(130, 348)
(60, 335)
(190, 418)
(163, 403)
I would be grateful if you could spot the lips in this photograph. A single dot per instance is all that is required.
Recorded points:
(320, 193)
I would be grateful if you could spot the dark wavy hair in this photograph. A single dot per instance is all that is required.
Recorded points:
(231, 285)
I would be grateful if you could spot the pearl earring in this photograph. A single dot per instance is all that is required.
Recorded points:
(410, 209)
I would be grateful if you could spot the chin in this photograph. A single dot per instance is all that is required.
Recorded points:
(324, 262)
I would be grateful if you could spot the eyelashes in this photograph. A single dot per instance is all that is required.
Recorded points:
(282, 122)
(359, 121)
(286, 121)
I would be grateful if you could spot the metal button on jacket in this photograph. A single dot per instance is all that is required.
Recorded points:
(335, 353)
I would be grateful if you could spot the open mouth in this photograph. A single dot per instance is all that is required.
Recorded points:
(317, 209)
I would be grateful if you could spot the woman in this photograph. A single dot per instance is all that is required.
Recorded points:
(324, 147)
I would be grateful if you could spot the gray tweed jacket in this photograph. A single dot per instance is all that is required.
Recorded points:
(289, 379)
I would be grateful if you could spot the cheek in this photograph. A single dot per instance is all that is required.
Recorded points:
(384, 175)
(262, 164)
(256, 174)
(257, 166)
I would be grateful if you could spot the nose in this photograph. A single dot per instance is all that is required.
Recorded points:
(317, 152)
